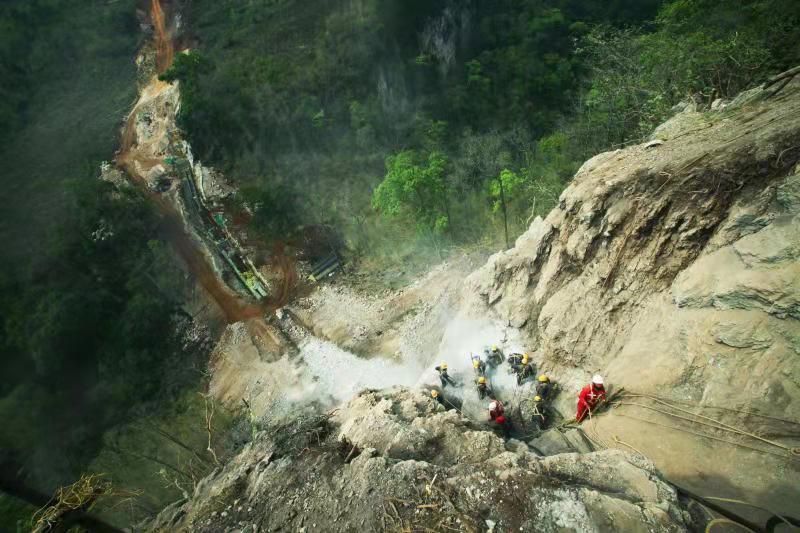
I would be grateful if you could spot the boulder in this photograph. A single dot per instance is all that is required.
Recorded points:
(672, 270)
(426, 470)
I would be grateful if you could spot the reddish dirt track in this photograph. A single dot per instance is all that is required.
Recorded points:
(165, 50)
(233, 306)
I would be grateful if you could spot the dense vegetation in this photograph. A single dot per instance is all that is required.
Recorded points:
(410, 126)
(91, 336)
(452, 120)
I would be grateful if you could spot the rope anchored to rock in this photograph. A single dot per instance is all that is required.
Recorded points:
(707, 421)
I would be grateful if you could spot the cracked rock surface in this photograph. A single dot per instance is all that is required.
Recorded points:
(396, 459)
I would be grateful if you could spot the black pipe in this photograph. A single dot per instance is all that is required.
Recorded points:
(773, 522)
(776, 521)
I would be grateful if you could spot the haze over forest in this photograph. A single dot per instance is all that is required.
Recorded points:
(391, 134)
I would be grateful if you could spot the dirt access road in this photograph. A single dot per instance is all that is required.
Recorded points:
(138, 156)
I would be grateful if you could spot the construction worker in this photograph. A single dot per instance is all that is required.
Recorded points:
(515, 359)
(436, 395)
(478, 365)
(537, 413)
(504, 424)
(496, 409)
(590, 396)
(444, 377)
(544, 387)
(493, 356)
(483, 387)
(523, 369)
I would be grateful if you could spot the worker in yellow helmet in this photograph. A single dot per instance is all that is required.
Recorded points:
(521, 365)
(436, 395)
(444, 377)
(544, 387)
(483, 387)
(478, 365)
(538, 413)
(493, 356)
(526, 370)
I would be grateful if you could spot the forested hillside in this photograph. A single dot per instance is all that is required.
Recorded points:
(414, 129)
(473, 113)
(91, 332)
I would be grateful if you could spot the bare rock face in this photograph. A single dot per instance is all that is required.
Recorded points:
(673, 268)
(661, 255)
(396, 459)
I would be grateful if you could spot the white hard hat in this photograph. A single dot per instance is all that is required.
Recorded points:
(493, 405)
(597, 379)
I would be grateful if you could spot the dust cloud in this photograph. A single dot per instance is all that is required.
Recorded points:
(328, 375)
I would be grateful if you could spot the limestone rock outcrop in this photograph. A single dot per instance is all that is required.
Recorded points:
(672, 268)
(396, 459)
(673, 265)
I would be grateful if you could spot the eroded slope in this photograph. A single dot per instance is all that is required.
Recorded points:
(395, 460)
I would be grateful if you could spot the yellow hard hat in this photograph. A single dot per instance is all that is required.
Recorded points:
(535, 398)
(494, 347)
(443, 365)
(543, 378)
(435, 394)
(482, 380)
(476, 363)
(525, 358)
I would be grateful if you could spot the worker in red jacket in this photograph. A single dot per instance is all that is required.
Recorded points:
(496, 409)
(590, 396)
(504, 424)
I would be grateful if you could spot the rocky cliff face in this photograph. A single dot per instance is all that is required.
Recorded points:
(397, 460)
(672, 268)
(662, 258)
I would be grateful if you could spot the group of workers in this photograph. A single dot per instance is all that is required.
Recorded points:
(589, 397)
(520, 365)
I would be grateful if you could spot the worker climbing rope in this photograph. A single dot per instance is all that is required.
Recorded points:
(444, 377)
(436, 395)
(478, 365)
(494, 357)
(538, 417)
(544, 387)
(483, 388)
(590, 397)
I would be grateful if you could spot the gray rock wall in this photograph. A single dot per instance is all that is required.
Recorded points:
(416, 466)
(670, 267)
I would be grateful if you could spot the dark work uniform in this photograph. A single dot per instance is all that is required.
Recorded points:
(515, 360)
(523, 372)
(444, 377)
(481, 368)
(493, 357)
(543, 389)
(539, 415)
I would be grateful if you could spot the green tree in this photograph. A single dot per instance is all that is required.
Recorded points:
(415, 190)
(275, 213)
(505, 186)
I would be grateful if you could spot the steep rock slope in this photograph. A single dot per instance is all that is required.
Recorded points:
(672, 268)
(397, 460)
